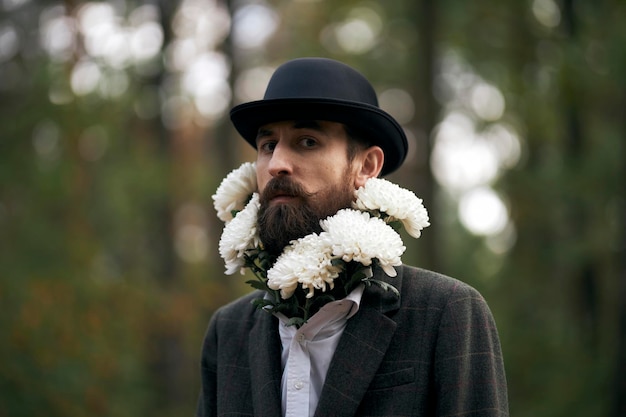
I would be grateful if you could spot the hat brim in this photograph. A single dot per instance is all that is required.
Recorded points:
(374, 124)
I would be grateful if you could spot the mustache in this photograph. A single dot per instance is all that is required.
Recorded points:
(283, 186)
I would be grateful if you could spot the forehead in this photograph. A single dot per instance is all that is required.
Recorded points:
(320, 126)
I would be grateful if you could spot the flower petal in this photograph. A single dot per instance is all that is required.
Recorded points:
(380, 195)
(240, 235)
(358, 237)
(235, 190)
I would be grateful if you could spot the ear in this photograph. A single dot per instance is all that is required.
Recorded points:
(371, 163)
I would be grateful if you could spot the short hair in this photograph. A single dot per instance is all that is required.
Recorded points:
(356, 142)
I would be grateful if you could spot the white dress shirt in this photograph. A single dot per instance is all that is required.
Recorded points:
(307, 353)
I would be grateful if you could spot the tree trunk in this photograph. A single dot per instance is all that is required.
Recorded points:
(427, 109)
(618, 407)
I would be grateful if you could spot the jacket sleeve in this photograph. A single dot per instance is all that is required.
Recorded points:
(207, 402)
(469, 368)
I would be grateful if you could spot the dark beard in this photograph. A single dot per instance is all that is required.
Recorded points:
(279, 224)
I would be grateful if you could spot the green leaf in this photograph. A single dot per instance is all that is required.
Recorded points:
(337, 262)
(395, 225)
(257, 284)
(262, 303)
(383, 285)
(321, 300)
(296, 321)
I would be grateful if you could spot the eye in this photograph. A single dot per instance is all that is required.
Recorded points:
(308, 142)
(266, 146)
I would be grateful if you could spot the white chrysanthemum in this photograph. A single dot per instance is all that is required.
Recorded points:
(399, 203)
(235, 190)
(307, 261)
(356, 236)
(240, 235)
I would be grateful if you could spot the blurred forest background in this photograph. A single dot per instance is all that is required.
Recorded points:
(114, 135)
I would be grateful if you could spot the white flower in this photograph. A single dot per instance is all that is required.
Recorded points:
(361, 235)
(235, 190)
(399, 203)
(355, 236)
(306, 261)
(240, 235)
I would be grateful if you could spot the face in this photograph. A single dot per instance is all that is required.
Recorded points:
(304, 175)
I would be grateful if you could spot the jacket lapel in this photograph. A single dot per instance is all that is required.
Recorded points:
(264, 352)
(360, 350)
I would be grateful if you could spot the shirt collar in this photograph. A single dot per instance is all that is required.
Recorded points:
(332, 311)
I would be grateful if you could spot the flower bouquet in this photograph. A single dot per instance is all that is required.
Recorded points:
(319, 267)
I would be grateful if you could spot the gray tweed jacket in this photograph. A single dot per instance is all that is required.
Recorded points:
(433, 351)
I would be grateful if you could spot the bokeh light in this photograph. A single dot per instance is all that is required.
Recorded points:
(482, 212)
(460, 158)
(253, 25)
(486, 101)
(473, 145)
(251, 83)
(57, 33)
(546, 12)
(9, 41)
(398, 103)
(191, 239)
(85, 77)
(357, 33)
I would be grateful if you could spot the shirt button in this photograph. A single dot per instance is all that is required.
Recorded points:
(298, 385)
(301, 338)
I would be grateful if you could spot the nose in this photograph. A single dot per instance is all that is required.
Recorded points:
(280, 162)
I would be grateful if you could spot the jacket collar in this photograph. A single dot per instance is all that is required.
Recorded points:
(265, 368)
(357, 357)
(361, 349)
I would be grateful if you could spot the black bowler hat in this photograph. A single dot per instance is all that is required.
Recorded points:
(324, 89)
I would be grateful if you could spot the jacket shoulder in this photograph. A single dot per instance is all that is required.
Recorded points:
(426, 277)
(436, 287)
(240, 309)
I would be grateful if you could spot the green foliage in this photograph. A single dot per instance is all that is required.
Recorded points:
(102, 316)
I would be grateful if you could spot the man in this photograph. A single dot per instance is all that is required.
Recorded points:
(431, 349)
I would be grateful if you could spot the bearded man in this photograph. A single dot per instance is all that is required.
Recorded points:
(427, 348)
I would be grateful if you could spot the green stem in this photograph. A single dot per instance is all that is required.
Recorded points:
(306, 309)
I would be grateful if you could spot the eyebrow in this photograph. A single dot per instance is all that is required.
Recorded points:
(298, 124)
(307, 124)
(263, 133)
